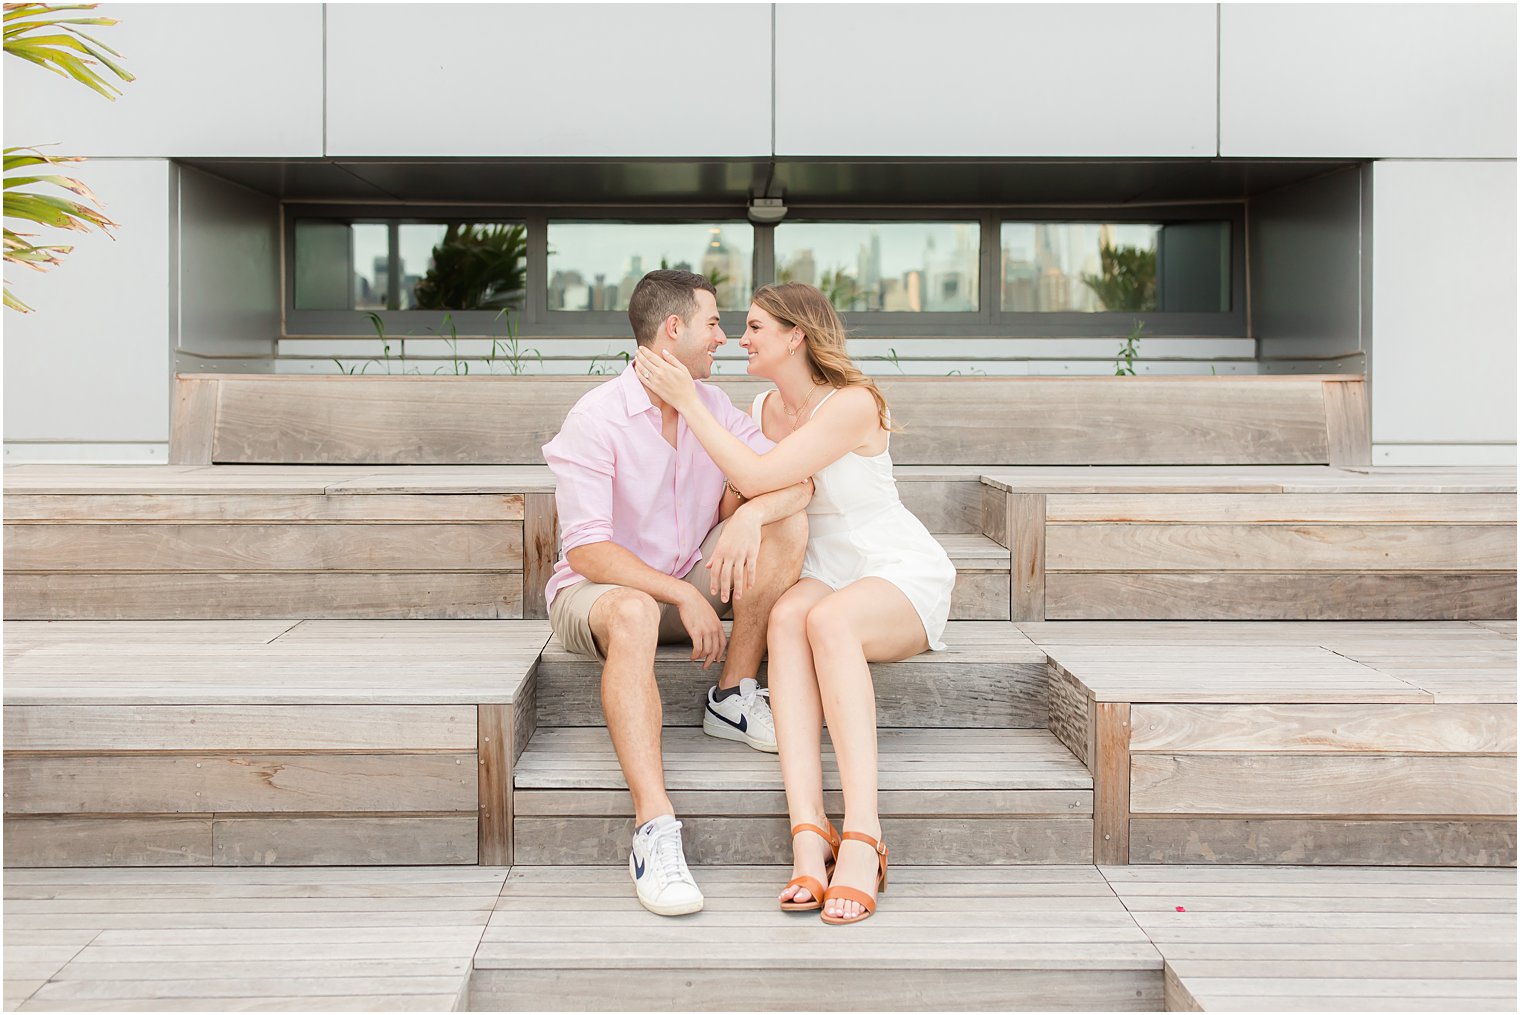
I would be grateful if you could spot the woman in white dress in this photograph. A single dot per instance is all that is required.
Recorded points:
(875, 585)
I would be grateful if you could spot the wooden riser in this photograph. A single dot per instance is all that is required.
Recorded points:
(989, 677)
(1051, 938)
(1322, 744)
(947, 797)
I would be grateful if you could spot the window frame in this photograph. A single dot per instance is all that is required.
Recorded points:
(990, 321)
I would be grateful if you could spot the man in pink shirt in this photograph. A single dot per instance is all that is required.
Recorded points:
(655, 548)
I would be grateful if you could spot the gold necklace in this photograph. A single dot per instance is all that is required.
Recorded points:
(797, 415)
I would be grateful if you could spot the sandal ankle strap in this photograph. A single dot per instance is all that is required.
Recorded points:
(875, 844)
(829, 836)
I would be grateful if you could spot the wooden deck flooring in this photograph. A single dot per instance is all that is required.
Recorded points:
(1048, 937)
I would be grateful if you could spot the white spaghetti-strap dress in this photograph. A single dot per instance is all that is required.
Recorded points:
(858, 528)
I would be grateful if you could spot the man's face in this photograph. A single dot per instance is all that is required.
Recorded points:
(699, 338)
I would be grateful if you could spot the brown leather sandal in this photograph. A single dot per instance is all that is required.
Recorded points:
(849, 894)
(812, 884)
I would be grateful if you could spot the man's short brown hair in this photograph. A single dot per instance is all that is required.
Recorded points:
(660, 294)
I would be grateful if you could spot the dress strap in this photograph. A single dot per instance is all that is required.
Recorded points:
(825, 398)
(758, 404)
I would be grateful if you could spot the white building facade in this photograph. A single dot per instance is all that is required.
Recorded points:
(1325, 188)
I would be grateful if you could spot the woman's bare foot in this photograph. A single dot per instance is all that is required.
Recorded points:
(811, 854)
(857, 868)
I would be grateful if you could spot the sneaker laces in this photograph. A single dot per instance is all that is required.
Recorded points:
(665, 850)
(763, 717)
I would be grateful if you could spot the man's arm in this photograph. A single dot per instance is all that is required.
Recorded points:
(607, 563)
(583, 467)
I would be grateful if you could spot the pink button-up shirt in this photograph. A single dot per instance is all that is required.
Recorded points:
(618, 479)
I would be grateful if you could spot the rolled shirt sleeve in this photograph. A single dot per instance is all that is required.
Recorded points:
(583, 464)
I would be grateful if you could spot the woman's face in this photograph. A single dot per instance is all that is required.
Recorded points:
(768, 342)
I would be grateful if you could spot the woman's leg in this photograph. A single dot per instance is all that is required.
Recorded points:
(867, 621)
(799, 725)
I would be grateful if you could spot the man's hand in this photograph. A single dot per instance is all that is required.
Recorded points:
(735, 556)
(704, 627)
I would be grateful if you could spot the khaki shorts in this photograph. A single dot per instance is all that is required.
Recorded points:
(570, 613)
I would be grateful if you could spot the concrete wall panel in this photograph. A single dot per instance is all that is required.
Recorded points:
(1443, 290)
(549, 80)
(211, 80)
(1306, 260)
(995, 79)
(229, 256)
(91, 363)
(1367, 80)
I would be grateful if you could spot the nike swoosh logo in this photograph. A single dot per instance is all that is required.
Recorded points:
(742, 725)
(638, 868)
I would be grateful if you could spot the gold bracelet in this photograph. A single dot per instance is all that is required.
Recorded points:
(734, 488)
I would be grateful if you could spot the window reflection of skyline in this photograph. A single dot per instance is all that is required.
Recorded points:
(595, 265)
(886, 266)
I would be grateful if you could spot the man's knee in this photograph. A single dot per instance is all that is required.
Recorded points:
(627, 617)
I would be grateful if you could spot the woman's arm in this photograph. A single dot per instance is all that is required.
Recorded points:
(850, 417)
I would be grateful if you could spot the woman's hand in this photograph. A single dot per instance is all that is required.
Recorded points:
(667, 377)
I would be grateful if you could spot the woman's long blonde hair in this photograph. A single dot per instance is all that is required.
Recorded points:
(799, 305)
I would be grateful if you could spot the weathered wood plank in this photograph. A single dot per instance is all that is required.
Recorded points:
(969, 685)
(287, 508)
(1029, 536)
(1300, 547)
(1297, 784)
(394, 595)
(192, 426)
(540, 551)
(108, 842)
(1071, 718)
(456, 420)
(995, 515)
(1239, 595)
(346, 841)
(892, 803)
(1348, 418)
(95, 729)
(251, 783)
(529, 989)
(747, 840)
(1369, 728)
(1323, 841)
(252, 546)
(980, 595)
(1111, 782)
(1279, 508)
(944, 505)
(496, 757)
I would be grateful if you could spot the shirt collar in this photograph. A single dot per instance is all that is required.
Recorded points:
(633, 392)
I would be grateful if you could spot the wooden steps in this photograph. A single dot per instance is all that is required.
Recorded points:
(947, 796)
(1389, 744)
(1186, 938)
(1043, 938)
(990, 676)
(264, 742)
(1327, 939)
(371, 939)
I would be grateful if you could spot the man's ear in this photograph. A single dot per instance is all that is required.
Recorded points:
(672, 327)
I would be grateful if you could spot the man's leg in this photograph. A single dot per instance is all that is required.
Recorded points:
(625, 623)
(782, 545)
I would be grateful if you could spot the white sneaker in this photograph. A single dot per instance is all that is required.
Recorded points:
(745, 716)
(658, 867)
